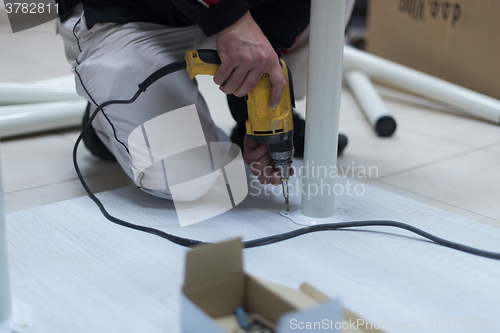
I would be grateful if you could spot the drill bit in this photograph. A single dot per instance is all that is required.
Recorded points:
(283, 160)
(284, 184)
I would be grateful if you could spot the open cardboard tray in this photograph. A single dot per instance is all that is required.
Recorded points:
(216, 283)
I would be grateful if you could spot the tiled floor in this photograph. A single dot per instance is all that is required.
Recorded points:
(436, 156)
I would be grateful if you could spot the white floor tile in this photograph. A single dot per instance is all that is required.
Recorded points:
(46, 27)
(495, 148)
(31, 55)
(398, 100)
(5, 26)
(436, 203)
(33, 161)
(470, 182)
(55, 192)
(450, 126)
(384, 156)
(350, 112)
(69, 134)
(40, 48)
(14, 69)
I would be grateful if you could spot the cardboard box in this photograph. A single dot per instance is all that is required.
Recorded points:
(454, 40)
(215, 284)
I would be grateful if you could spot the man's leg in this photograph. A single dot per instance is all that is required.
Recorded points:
(111, 60)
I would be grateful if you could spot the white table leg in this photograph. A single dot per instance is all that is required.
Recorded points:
(326, 45)
(370, 102)
(419, 83)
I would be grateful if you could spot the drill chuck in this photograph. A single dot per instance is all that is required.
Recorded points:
(282, 154)
(283, 161)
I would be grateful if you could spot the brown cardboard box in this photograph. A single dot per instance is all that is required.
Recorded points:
(455, 40)
(215, 283)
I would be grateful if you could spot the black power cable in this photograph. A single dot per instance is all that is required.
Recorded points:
(179, 65)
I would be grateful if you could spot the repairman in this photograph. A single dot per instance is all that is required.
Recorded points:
(114, 44)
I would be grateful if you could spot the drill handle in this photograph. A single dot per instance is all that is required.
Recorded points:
(209, 56)
(202, 62)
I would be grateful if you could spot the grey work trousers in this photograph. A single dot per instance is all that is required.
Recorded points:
(110, 60)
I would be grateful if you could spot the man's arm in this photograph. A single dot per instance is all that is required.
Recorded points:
(246, 54)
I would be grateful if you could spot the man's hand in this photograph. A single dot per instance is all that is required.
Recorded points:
(257, 156)
(246, 54)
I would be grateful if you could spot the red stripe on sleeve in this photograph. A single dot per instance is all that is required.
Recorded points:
(208, 3)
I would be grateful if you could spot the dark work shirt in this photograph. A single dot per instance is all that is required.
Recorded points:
(281, 20)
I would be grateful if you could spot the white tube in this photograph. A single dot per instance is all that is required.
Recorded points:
(21, 93)
(5, 298)
(323, 104)
(30, 118)
(370, 102)
(466, 100)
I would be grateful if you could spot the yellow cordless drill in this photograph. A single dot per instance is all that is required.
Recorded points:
(266, 126)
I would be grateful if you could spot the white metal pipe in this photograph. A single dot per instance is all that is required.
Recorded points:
(30, 118)
(419, 83)
(370, 102)
(323, 104)
(5, 297)
(21, 93)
